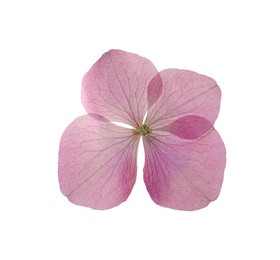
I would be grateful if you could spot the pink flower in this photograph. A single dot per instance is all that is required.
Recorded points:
(184, 155)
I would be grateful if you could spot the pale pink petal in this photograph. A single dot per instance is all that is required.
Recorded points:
(184, 174)
(115, 87)
(188, 127)
(97, 162)
(184, 92)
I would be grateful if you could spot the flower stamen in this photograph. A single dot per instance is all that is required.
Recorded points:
(143, 130)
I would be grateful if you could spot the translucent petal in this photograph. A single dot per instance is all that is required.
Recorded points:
(115, 87)
(184, 174)
(184, 92)
(97, 162)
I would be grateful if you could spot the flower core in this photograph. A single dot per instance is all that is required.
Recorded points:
(143, 130)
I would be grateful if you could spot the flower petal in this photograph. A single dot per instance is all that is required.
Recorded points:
(189, 127)
(154, 89)
(184, 174)
(97, 162)
(115, 86)
(184, 92)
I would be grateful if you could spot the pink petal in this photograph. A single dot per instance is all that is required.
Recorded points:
(154, 89)
(115, 86)
(97, 162)
(189, 127)
(184, 174)
(184, 92)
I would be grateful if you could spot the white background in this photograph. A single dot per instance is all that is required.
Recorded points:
(47, 46)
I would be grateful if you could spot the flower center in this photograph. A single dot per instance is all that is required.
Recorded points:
(143, 130)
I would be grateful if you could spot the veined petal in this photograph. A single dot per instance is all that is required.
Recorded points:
(184, 92)
(188, 127)
(184, 174)
(97, 162)
(115, 86)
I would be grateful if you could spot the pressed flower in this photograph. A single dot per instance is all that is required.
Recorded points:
(184, 155)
